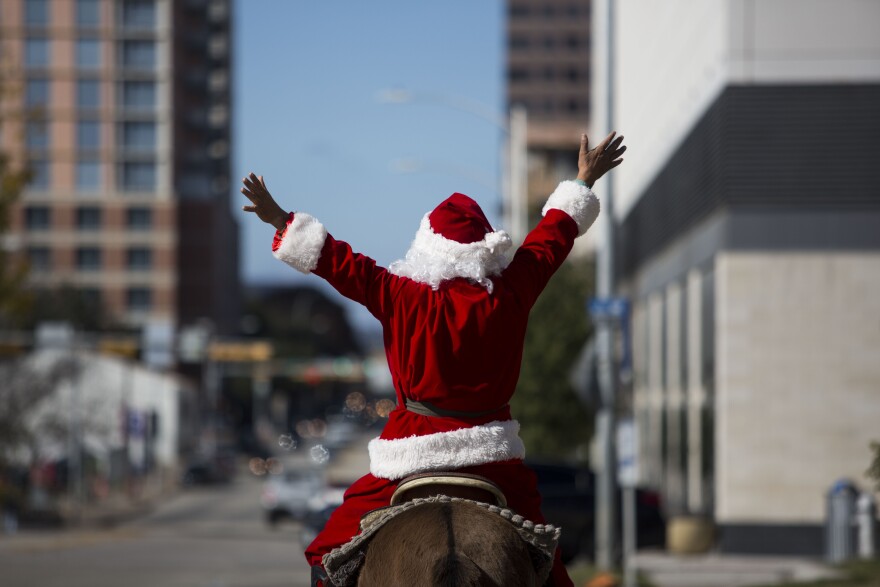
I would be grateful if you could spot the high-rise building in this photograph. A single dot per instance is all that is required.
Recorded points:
(548, 72)
(123, 116)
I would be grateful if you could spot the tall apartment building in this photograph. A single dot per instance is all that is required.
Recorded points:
(548, 72)
(124, 112)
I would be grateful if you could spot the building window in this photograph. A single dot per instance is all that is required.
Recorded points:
(88, 53)
(88, 218)
(139, 218)
(39, 258)
(519, 42)
(138, 54)
(88, 13)
(36, 93)
(138, 14)
(37, 218)
(88, 259)
(88, 94)
(139, 95)
(36, 53)
(88, 175)
(37, 135)
(36, 13)
(88, 134)
(139, 298)
(519, 10)
(138, 136)
(39, 169)
(518, 74)
(140, 258)
(139, 175)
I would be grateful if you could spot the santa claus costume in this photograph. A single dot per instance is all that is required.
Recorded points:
(454, 313)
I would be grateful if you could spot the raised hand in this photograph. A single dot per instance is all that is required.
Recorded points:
(596, 162)
(264, 205)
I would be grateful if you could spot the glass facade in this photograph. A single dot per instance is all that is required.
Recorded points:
(88, 13)
(139, 218)
(138, 136)
(36, 93)
(138, 175)
(36, 13)
(88, 53)
(139, 298)
(37, 135)
(88, 218)
(137, 14)
(138, 95)
(88, 175)
(138, 55)
(88, 258)
(88, 94)
(88, 134)
(38, 218)
(39, 169)
(140, 258)
(36, 53)
(39, 258)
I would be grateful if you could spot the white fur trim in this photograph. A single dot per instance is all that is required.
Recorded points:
(302, 243)
(433, 258)
(445, 451)
(576, 200)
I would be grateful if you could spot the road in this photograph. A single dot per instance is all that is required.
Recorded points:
(206, 537)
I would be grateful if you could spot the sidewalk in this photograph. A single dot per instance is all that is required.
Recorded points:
(715, 570)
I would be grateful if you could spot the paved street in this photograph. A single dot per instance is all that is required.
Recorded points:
(201, 538)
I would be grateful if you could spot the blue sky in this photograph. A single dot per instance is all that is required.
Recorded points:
(307, 117)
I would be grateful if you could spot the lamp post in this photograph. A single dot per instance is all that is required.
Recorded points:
(515, 175)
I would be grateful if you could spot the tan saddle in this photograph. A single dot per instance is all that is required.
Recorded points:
(422, 485)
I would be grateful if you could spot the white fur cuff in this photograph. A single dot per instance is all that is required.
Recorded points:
(302, 243)
(445, 451)
(576, 200)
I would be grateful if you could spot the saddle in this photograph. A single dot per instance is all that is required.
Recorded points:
(451, 484)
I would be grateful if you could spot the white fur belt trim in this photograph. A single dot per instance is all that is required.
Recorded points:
(576, 200)
(443, 451)
(302, 243)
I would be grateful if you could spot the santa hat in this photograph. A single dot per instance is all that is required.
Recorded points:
(455, 240)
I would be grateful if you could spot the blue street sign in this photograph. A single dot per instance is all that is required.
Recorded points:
(600, 308)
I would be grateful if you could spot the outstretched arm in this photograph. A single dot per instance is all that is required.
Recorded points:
(263, 204)
(568, 213)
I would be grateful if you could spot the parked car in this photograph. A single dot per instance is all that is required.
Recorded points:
(286, 496)
(569, 501)
(213, 469)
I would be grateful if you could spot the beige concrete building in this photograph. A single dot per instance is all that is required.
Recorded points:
(123, 116)
(750, 250)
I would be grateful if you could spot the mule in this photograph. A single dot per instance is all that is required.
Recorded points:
(427, 539)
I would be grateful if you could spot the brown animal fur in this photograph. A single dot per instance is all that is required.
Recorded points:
(453, 544)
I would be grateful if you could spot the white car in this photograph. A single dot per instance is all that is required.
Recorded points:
(287, 496)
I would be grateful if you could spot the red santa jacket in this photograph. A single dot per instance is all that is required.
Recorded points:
(456, 344)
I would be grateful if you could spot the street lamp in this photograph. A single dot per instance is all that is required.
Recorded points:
(515, 174)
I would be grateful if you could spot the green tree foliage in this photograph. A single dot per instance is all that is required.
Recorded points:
(14, 299)
(554, 422)
(873, 471)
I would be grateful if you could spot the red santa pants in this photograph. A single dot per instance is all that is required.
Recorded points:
(517, 481)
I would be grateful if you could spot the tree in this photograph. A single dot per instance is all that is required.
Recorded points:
(14, 298)
(554, 422)
(873, 471)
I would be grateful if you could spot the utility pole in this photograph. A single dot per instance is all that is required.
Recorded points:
(606, 421)
(518, 174)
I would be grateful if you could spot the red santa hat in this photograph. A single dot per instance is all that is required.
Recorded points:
(455, 240)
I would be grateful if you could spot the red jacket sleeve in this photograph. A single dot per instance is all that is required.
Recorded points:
(305, 245)
(541, 254)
